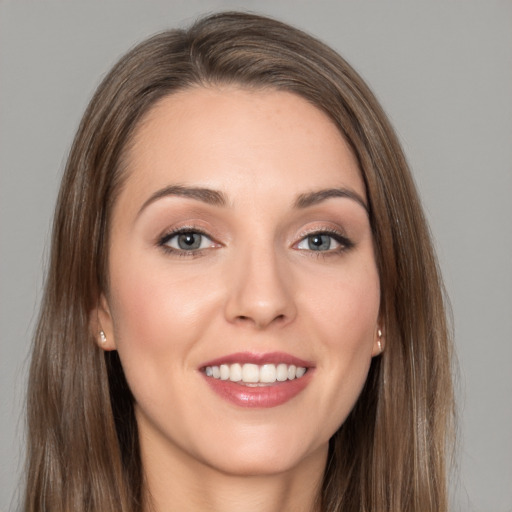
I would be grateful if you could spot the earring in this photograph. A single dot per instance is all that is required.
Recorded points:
(379, 343)
(103, 337)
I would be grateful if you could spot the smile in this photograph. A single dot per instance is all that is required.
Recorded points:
(254, 374)
(253, 380)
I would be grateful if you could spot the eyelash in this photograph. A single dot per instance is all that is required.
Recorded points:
(345, 243)
(164, 239)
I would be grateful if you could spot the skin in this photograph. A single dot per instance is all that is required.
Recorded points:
(255, 285)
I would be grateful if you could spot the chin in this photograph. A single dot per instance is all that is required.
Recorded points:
(257, 467)
(266, 459)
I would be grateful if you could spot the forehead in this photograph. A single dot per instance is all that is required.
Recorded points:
(240, 141)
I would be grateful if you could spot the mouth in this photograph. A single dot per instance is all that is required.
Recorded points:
(257, 380)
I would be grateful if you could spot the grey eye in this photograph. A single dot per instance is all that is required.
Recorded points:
(189, 241)
(318, 242)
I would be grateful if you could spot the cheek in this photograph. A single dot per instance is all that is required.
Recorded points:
(347, 310)
(345, 325)
(152, 304)
(157, 317)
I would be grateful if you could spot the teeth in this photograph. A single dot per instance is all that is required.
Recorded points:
(224, 372)
(235, 372)
(255, 374)
(268, 373)
(300, 372)
(250, 373)
(282, 372)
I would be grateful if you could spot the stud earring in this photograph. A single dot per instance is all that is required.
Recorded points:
(103, 337)
(379, 343)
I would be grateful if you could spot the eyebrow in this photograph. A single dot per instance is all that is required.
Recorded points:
(206, 195)
(217, 198)
(316, 197)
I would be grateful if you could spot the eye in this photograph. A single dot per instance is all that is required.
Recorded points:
(323, 242)
(186, 241)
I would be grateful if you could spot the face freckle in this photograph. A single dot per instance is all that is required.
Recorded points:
(255, 277)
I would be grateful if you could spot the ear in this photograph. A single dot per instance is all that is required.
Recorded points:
(102, 326)
(380, 341)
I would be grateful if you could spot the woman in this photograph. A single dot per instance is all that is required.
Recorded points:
(243, 308)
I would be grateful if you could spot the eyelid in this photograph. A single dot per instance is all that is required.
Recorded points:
(163, 239)
(305, 240)
(343, 242)
(341, 238)
(167, 235)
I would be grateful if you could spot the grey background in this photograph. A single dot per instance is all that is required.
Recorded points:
(443, 72)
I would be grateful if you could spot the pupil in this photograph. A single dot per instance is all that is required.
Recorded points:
(319, 242)
(189, 241)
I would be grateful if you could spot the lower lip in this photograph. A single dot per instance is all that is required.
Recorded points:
(259, 396)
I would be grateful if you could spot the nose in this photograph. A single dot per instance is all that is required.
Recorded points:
(260, 291)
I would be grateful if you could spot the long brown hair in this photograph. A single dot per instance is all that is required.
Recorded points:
(83, 452)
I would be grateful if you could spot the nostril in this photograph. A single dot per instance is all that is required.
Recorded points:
(261, 322)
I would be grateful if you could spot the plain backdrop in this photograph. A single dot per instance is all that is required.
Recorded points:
(443, 72)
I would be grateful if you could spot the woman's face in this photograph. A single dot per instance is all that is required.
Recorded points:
(244, 293)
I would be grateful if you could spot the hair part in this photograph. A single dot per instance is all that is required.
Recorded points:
(83, 451)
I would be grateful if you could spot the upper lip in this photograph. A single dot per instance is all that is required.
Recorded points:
(259, 359)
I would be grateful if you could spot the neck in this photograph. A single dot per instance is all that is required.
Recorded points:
(178, 483)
